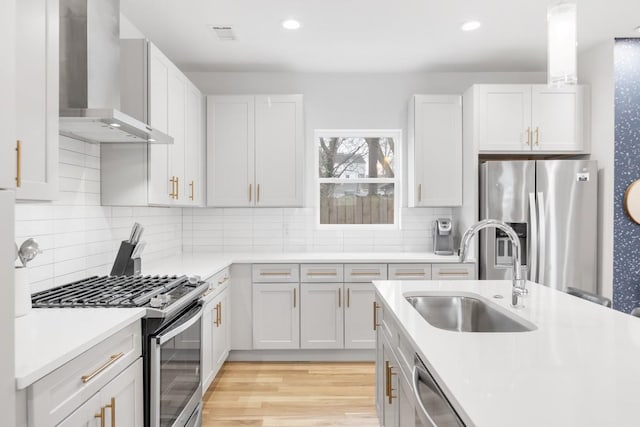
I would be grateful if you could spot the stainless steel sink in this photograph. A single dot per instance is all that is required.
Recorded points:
(465, 314)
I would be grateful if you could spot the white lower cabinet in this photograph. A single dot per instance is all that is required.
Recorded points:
(216, 331)
(322, 315)
(119, 403)
(358, 330)
(276, 316)
(221, 339)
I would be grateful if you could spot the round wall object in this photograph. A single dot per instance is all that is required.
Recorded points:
(632, 201)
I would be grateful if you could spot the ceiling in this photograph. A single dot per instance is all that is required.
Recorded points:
(368, 35)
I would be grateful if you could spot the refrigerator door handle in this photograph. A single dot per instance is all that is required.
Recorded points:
(533, 239)
(542, 241)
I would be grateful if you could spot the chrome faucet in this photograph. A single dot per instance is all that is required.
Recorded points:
(519, 289)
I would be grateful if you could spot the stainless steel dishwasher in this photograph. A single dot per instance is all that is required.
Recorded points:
(432, 407)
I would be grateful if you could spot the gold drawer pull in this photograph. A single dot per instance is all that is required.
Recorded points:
(224, 279)
(112, 406)
(365, 273)
(193, 186)
(218, 320)
(295, 297)
(322, 273)
(18, 163)
(529, 136)
(173, 187)
(453, 273)
(375, 316)
(111, 361)
(177, 187)
(348, 297)
(275, 273)
(537, 136)
(339, 297)
(410, 274)
(389, 383)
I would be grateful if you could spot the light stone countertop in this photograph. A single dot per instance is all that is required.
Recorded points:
(580, 367)
(207, 264)
(47, 338)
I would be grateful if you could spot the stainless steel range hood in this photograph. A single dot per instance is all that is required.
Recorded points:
(90, 77)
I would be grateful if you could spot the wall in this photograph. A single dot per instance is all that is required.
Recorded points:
(331, 101)
(595, 68)
(79, 237)
(626, 248)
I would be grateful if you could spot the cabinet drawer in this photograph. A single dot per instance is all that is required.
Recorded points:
(453, 271)
(217, 282)
(409, 271)
(355, 273)
(58, 394)
(330, 273)
(276, 273)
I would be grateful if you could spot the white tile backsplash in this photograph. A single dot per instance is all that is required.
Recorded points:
(79, 237)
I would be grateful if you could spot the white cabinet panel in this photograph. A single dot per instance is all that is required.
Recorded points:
(36, 107)
(122, 398)
(268, 273)
(176, 128)
(208, 317)
(504, 115)
(435, 151)
(453, 272)
(409, 271)
(364, 273)
(8, 155)
(85, 415)
(279, 144)
(221, 338)
(358, 329)
(318, 273)
(557, 118)
(194, 148)
(321, 318)
(230, 151)
(276, 316)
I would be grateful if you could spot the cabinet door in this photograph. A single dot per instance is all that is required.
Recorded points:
(279, 145)
(36, 106)
(221, 339)
(230, 151)
(437, 150)
(194, 148)
(8, 155)
(87, 415)
(322, 315)
(406, 406)
(276, 316)
(558, 118)
(380, 371)
(208, 323)
(504, 116)
(176, 128)
(358, 332)
(160, 188)
(391, 399)
(122, 398)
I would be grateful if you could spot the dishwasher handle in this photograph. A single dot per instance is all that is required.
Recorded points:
(443, 414)
(417, 377)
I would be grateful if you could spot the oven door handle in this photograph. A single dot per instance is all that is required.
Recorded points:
(171, 333)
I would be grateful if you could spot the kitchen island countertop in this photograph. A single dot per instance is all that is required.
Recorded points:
(579, 367)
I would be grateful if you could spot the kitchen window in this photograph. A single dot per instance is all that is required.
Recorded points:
(358, 178)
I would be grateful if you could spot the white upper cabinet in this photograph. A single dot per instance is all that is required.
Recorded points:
(255, 151)
(557, 118)
(230, 150)
(525, 118)
(155, 91)
(435, 151)
(8, 155)
(279, 150)
(36, 107)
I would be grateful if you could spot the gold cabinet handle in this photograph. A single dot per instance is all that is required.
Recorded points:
(537, 136)
(177, 188)
(173, 187)
(112, 406)
(101, 416)
(192, 185)
(419, 193)
(111, 361)
(390, 388)
(258, 193)
(348, 297)
(217, 321)
(220, 313)
(250, 191)
(224, 279)
(387, 379)
(322, 273)
(529, 136)
(453, 273)
(410, 274)
(375, 316)
(274, 273)
(339, 297)
(18, 163)
(365, 273)
(295, 297)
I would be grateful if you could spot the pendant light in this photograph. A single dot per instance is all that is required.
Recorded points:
(562, 44)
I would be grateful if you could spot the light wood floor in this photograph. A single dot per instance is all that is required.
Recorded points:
(280, 394)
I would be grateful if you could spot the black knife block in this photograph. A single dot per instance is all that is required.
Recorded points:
(124, 265)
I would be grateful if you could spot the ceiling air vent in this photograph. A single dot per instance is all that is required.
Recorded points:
(224, 32)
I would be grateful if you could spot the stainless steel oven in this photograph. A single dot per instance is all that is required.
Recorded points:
(432, 407)
(175, 385)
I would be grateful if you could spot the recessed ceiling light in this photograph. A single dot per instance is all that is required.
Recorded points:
(290, 24)
(470, 26)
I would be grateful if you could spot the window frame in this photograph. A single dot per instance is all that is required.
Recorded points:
(396, 135)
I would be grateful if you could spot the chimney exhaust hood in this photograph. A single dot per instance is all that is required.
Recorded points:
(90, 77)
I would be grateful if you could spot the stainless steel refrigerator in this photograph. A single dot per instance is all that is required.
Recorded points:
(552, 205)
